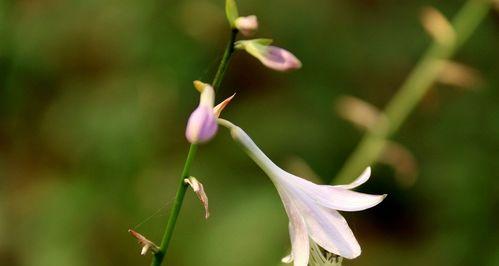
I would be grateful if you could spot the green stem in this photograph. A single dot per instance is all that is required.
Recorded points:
(224, 63)
(413, 89)
(177, 205)
(182, 188)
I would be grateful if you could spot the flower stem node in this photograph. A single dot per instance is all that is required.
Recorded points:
(146, 243)
(247, 25)
(273, 57)
(198, 188)
(312, 209)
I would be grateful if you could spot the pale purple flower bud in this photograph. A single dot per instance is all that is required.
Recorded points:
(271, 56)
(202, 125)
(247, 25)
(280, 59)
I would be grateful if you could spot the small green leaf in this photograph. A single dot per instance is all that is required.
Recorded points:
(231, 12)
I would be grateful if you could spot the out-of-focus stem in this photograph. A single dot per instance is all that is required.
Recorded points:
(412, 90)
(182, 188)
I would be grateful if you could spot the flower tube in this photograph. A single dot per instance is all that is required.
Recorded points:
(312, 209)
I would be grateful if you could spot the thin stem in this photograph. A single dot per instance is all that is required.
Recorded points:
(412, 90)
(182, 188)
(224, 63)
(177, 205)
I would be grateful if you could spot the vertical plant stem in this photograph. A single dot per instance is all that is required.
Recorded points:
(182, 188)
(224, 63)
(412, 90)
(174, 212)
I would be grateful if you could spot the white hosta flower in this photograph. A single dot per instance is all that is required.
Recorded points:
(312, 209)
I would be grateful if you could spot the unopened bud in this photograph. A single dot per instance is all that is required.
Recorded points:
(271, 56)
(247, 25)
(202, 125)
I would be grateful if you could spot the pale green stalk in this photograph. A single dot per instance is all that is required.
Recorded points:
(159, 256)
(412, 90)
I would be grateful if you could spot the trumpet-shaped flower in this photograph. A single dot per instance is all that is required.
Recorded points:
(271, 56)
(312, 209)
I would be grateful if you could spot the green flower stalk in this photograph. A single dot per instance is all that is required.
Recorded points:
(416, 85)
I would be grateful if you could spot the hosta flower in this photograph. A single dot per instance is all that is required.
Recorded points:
(271, 56)
(312, 209)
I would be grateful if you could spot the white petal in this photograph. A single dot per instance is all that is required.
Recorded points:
(334, 235)
(327, 227)
(297, 231)
(359, 181)
(269, 167)
(344, 199)
(333, 197)
(287, 259)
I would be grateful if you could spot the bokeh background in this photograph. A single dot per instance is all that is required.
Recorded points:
(94, 97)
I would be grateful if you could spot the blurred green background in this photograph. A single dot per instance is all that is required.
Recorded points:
(94, 97)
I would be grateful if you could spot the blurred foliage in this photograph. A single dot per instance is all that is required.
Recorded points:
(94, 96)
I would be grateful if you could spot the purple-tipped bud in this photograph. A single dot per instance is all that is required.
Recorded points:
(247, 25)
(271, 56)
(202, 125)
(280, 59)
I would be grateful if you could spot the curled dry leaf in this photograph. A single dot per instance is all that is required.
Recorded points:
(144, 242)
(198, 188)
